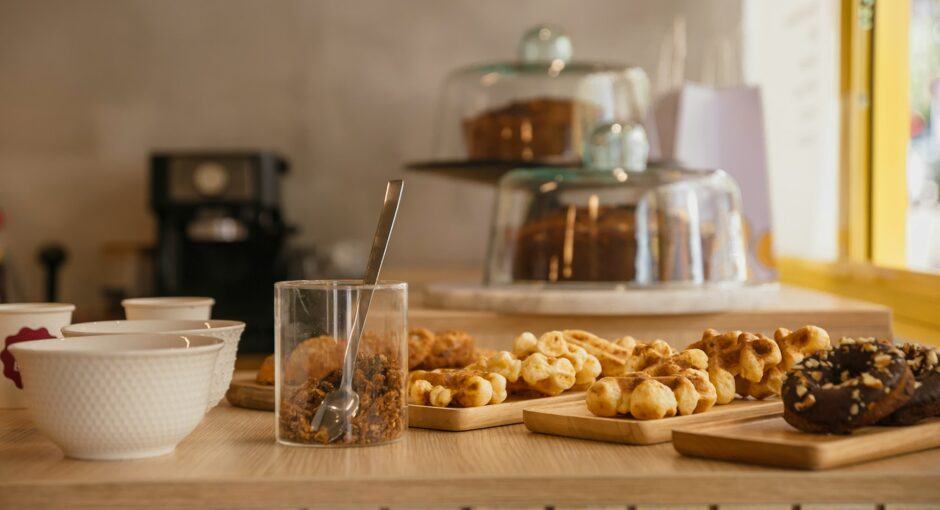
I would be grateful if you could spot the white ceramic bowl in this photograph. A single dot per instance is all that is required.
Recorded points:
(120, 396)
(168, 308)
(229, 331)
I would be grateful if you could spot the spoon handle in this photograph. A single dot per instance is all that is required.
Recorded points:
(374, 266)
(383, 231)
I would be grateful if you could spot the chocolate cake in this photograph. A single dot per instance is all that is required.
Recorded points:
(525, 130)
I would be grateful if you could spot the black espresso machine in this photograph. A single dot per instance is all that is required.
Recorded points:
(220, 233)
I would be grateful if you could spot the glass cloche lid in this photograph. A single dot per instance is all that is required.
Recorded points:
(536, 110)
(615, 221)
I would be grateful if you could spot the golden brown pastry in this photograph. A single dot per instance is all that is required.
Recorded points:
(646, 397)
(644, 354)
(502, 363)
(542, 374)
(457, 387)
(451, 349)
(537, 373)
(420, 341)
(611, 356)
(794, 346)
(266, 372)
(555, 344)
(677, 363)
(552, 344)
(622, 356)
(736, 354)
(482, 352)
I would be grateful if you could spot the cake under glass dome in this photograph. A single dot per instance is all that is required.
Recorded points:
(576, 204)
(539, 108)
(616, 221)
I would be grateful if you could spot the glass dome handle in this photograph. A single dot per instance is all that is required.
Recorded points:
(615, 145)
(545, 43)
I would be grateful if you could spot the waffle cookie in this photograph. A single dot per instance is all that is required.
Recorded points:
(456, 387)
(734, 355)
(646, 397)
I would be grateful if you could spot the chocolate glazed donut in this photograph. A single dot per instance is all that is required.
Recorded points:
(856, 384)
(925, 365)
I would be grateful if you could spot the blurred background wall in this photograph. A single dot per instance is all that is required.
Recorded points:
(345, 90)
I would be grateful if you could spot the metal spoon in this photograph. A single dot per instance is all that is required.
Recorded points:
(342, 404)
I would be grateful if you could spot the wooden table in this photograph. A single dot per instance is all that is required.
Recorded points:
(232, 461)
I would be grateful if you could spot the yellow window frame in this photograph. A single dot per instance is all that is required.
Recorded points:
(873, 154)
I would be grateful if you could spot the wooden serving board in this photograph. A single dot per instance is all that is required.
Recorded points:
(572, 419)
(245, 392)
(772, 442)
(473, 418)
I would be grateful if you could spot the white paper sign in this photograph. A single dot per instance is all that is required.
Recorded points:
(703, 127)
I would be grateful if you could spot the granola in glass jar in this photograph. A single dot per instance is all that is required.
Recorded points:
(379, 379)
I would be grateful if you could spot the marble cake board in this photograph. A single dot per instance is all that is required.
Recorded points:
(543, 300)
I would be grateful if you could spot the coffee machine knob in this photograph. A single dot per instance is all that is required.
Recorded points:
(210, 179)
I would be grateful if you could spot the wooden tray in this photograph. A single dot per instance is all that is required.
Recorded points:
(472, 418)
(245, 392)
(572, 419)
(771, 441)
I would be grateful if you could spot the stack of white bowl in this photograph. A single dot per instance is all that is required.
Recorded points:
(228, 331)
(132, 388)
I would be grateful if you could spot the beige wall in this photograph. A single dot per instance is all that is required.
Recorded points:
(345, 89)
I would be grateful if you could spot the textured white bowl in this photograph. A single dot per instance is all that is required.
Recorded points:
(229, 331)
(168, 308)
(120, 396)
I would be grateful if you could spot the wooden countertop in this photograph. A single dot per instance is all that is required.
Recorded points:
(232, 461)
(792, 307)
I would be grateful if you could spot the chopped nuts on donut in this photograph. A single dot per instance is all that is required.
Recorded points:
(872, 382)
(805, 403)
(925, 398)
(882, 361)
(857, 383)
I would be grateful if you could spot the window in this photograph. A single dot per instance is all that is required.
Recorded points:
(888, 166)
(923, 154)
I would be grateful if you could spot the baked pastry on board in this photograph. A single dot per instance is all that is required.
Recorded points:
(858, 383)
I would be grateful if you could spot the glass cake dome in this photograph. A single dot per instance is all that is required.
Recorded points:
(539, 109)
(613, 220)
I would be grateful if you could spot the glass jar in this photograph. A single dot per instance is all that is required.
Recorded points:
(313, 321)
(539, 108)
